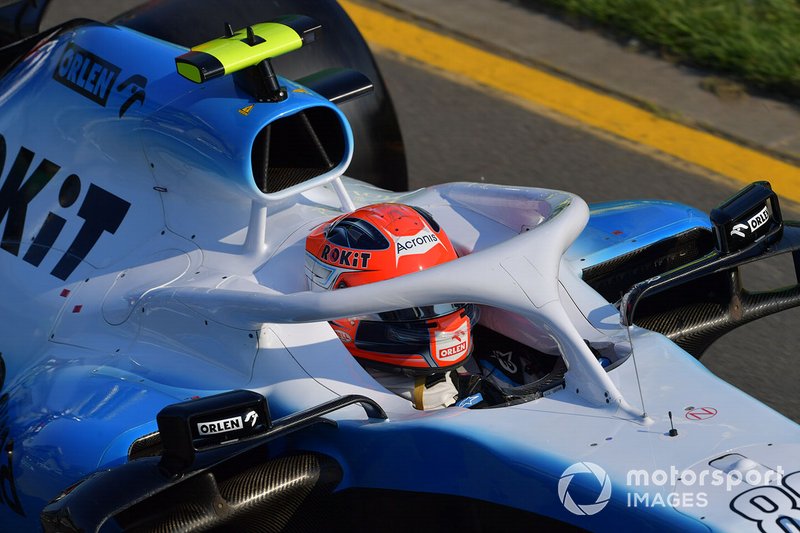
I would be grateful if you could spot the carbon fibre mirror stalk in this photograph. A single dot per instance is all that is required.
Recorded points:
(712, 299)
(92, 503)
(753, 212)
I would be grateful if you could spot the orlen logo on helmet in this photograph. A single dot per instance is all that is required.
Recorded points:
(452, 352)
(415, 244)
(451, 346)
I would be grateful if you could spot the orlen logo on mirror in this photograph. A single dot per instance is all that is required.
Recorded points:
(759, 220)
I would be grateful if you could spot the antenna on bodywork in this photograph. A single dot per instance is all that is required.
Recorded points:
(626, 319)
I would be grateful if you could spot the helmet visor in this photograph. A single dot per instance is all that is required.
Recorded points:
(415, 336)
(412, 314)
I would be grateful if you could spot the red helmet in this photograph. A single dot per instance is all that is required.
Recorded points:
(376, 243)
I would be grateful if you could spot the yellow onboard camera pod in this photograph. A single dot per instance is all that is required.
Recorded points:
(247, 47)
(250, 49)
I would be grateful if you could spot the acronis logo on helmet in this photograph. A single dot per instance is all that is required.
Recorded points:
(417, 244)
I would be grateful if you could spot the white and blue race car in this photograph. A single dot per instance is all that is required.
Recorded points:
(165, 367)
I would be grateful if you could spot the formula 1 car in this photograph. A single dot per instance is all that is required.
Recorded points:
(164, 365)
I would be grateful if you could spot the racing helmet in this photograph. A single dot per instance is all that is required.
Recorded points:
(379, 242)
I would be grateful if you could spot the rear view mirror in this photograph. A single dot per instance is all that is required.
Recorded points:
(748, 216)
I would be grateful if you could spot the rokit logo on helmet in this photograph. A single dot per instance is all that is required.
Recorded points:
(348, 258)
(416, 244)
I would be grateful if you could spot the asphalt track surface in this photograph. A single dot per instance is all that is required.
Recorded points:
(455, 129)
